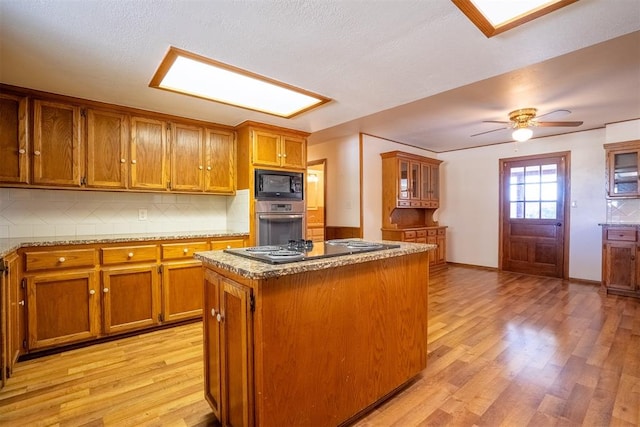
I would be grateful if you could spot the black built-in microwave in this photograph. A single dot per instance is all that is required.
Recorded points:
(278, 185)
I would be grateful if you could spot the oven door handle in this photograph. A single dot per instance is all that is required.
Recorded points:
(274, 217)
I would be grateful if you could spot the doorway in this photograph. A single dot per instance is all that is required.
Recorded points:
(534, 219)
(315, 196)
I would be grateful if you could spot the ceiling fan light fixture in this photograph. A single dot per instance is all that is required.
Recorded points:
(522, 134)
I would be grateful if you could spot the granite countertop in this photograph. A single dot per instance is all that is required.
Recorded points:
(9, 245)
(251, 269)
(619, 224)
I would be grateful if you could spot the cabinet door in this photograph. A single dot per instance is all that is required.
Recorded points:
(212, 349)
(228, 349)
(425, 185)
(404, 179)
(266, 148)
(237, 398)
(63, 308)
(441, 252)
(220, 160)
(130, 298)
(187, 157)
(620, 265)
(148, 154)
(15, 312)
(181, 290)
(414, 181)
(13, 143)
(623, 173)
(434, 185)
(293, 152)
(56, 144)
(107, 144)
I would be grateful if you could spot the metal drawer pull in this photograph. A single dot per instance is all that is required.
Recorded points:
(185, 250)
(130, 254)
(61, 259)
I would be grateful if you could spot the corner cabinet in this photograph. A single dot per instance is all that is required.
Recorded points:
(623, 163)
(621, 260)
(14, 165)
(410, 197)
(228, 338)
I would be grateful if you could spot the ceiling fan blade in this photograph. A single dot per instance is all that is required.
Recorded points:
(489, 131)
(559, 124)
(495, 121)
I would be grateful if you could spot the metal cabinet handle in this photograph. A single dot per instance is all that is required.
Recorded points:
(22, 151)
(37, 153)
(200, 167)
(105, 290)
(133, 162)
(130, 254)
(185, 250)
(21, 303)
(61, 259)
(213, 312)
(92, 292)
(220, 317)
(122, 160)
(208, 168)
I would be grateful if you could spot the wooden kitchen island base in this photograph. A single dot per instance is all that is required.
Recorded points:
(312, 345)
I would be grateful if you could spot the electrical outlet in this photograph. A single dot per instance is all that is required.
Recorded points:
(142, 214)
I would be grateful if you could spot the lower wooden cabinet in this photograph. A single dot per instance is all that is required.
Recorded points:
(182, 290)
(63, 308)
(621, 260)
(130, 298)
(228, 349)
(431, 235)
(12, 311)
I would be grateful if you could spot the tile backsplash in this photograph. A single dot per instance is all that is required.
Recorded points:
(36, 213)
(623, 210)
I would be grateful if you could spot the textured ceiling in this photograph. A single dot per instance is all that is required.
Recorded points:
(412, 71)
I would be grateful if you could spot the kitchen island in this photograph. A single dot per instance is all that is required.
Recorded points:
(312, 343)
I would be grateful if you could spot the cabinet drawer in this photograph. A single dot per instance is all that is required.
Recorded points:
(409, 235)
(183, 250)
(621, 234)
(441, 231)
(129, 254)
(421, 233)
(217, 245)
(65, 258)
(432, 232)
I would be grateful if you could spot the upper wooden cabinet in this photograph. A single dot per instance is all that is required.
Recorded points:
(14, 165)
(271, 147)
(623, 163)
(66, 142)
(56, 144)
(107, 145)
(411, 180)
(187, 157)
(220, 161)
(148, 153)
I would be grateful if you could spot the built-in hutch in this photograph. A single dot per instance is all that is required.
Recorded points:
(620, 242)
(410, 197)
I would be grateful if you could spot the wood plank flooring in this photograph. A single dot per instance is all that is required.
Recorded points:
(504, 350)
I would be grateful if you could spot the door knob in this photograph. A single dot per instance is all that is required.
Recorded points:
(559, 224)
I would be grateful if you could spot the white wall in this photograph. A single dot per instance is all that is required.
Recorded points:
(343, 179)
(43, 213)
(372, 185)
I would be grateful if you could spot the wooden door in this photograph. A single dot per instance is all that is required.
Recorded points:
(130, 298)
(220, 160)
(293, 152)
(533, 215)
(181, 290)
(187, 157)
(212, 352)
(63, 308)
(266, 148)
(13, 143)
(107, 144)
(56, 144)
(237, 397)
(148, 155)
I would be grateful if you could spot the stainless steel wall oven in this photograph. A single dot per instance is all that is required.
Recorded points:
(278, 222)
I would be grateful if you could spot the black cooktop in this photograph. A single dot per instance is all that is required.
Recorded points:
(305, 250)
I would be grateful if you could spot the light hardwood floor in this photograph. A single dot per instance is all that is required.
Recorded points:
(504, 350)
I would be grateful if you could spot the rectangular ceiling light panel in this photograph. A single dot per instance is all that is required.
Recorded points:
(496, 16)
(191, 74)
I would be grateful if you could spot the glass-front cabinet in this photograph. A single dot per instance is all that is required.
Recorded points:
(622, 169)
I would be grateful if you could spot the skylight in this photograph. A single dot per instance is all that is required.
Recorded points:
(191, 74)
(496, 16)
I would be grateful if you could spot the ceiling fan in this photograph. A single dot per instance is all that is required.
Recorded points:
(523, 119)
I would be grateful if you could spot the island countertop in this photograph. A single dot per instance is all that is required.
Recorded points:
(252, 269)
